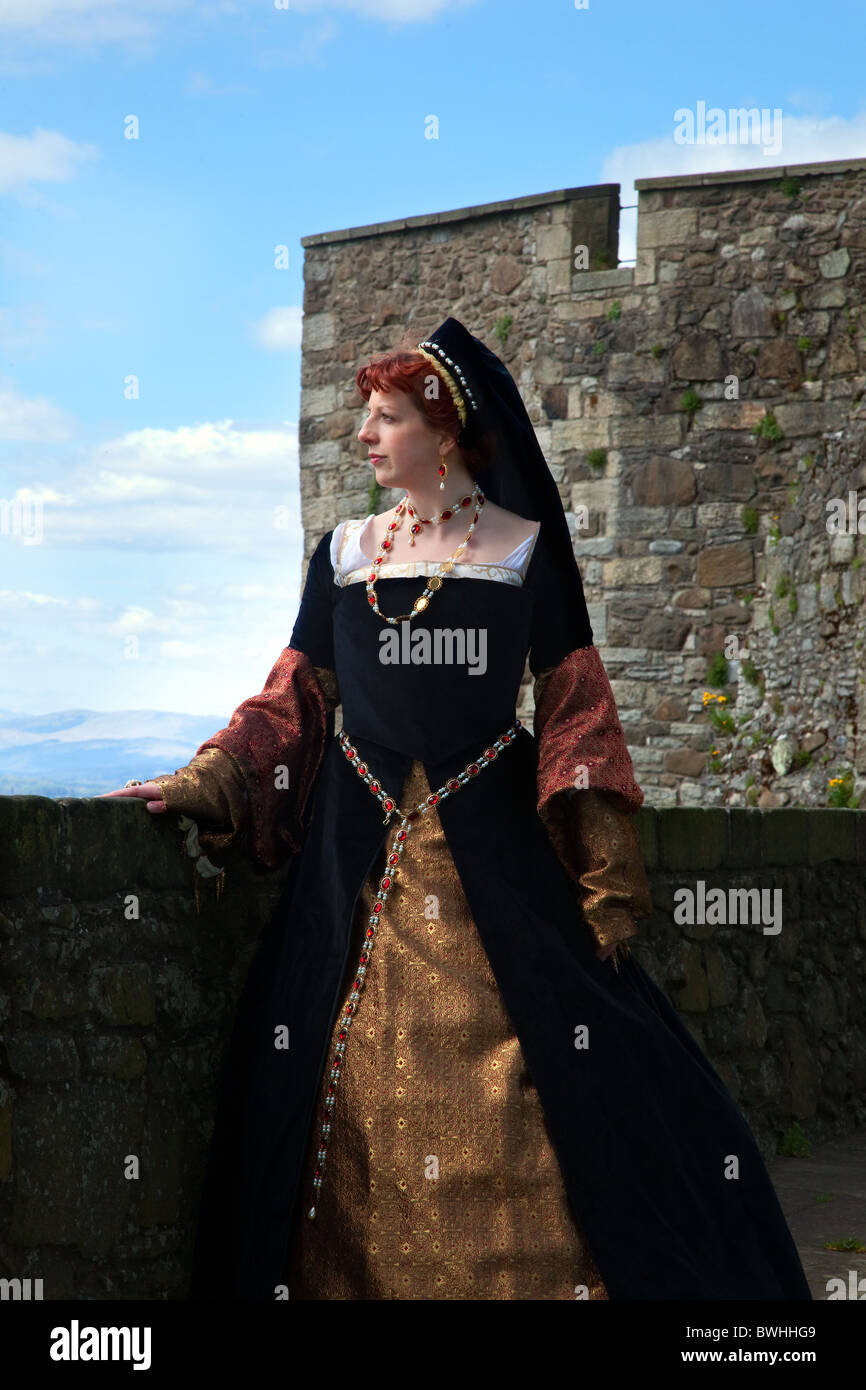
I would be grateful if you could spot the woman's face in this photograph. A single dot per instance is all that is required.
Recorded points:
(403, 448)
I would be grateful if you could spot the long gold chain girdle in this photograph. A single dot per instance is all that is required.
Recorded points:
(386, 882)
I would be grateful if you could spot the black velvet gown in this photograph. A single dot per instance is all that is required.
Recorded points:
(642, 1126)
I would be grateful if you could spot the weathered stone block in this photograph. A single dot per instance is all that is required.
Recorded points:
(664, 482)
(123, 994)
(723, 566)
(39, 1057)
(694, 998)
(124, 1059)
(667, 227)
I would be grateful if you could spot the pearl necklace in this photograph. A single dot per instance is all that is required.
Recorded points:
(435, 581)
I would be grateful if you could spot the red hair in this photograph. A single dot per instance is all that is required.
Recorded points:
(408, 371)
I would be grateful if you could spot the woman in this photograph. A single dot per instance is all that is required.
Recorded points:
(448, 1078)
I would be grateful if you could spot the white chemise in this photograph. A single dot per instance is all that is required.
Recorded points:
(352, 565)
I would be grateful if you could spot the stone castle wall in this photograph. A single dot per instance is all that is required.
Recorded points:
(695, 535)
(116, 1002)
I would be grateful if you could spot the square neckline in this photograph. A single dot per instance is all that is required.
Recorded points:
(494, 564)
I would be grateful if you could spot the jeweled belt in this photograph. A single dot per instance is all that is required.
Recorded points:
(386, 882)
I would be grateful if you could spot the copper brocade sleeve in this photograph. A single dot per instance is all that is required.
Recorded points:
(256, 775)
(577, 730)
(599, 848)
(210, 790)
(577, 727)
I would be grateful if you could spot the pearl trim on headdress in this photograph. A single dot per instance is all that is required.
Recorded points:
(449, 379)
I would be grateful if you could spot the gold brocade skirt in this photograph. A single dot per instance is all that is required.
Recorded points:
(440, 1180)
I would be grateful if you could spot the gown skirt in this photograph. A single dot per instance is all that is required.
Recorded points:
(440, 1180)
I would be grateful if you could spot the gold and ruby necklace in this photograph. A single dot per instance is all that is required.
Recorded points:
(445, 515)
(476, 497)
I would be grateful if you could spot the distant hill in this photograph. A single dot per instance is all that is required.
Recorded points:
(82, 752)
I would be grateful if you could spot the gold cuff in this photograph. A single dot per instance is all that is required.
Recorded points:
(612, 869)
(600, 848)
(212, 792)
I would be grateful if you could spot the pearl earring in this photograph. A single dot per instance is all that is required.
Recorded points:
(443, 469)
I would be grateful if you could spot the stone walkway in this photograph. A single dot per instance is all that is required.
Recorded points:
(836, 1169)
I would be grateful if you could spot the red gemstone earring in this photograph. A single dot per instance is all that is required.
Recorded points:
(443, 469)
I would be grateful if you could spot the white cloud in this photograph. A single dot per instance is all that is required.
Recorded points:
(213, 486)
(302, 48)
(279, 330)
(46, 156)
(38, 34)
(135, 619)
(130, 487)
(44, 494)
(199, 84)
(202, 654)
(401, 11)
(85, 21)
(810, 99)
(804, 140)
(89, 22)
(33, 419)
(184, 651)
(177, 620)
(195, 458)
(12, 599)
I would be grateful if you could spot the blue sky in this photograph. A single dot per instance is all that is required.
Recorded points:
(158, 578)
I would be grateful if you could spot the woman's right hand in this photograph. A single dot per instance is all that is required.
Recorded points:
(151, 792)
